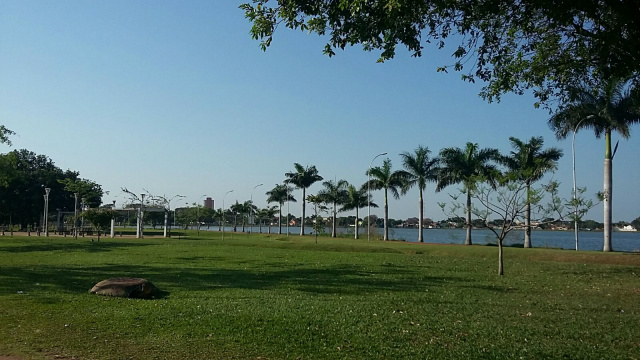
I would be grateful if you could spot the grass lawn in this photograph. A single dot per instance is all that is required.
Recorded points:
(278, 297)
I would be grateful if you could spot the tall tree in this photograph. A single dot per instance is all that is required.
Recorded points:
(280, 194)
(611, 106)
(512, 46)
(4, 135)
(528, 162)
(419, 170)
(302, 178)
(334, 193)
(467, 166)
(356, 200)
(382, 178)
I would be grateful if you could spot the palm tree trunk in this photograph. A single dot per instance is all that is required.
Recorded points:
(280, 221)
(608, 182)
(420, 212)
(356, 224)
(467, 241)
(302, 218)
(386, 216)
(527, 220)
(333, 226)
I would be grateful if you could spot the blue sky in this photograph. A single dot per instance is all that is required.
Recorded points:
(176, 98)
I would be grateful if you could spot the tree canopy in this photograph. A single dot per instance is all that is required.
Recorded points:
(512, 46)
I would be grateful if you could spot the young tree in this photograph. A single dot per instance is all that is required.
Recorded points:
(318, 208)
(419, 169)
(334, 193)
(100, 218)
(356, 200)
(382, 178)
(302, 178)
(280, 194)
(529, 163)
(165, 203)
(610, 106)
(508, 201)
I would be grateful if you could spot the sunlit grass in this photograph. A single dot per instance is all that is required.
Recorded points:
(279, 297)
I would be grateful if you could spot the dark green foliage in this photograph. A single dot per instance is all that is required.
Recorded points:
(510, 45)
(23, 177)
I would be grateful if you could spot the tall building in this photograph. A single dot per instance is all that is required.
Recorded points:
(208, 203)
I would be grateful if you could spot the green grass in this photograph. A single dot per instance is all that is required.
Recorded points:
(278, 297)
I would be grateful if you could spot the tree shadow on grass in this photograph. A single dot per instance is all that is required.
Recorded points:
(342, 279)
(72, 245)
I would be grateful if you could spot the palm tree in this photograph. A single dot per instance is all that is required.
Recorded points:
(528, 162)
(356, 200)
(236, 209)
(247, 208)
(268, 213)
(419, 169)
(468, 166)
(612, 106)
(302, 178)
(280, 194)
(219, 214)
(334, 193)
(383, 178)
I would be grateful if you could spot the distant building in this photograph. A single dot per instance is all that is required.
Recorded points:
(208, 203)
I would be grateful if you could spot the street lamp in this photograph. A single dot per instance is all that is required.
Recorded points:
(198, 213)
(575, 194)
(288, 212)
(113, 221)
(251, 207)
(166, 218)
(224, 218)
(46, 212)
(369, 196)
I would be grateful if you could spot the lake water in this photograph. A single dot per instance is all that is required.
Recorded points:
(587, 240)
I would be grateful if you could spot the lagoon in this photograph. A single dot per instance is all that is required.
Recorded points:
(587, 240)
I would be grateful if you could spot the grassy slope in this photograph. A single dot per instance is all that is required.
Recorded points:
(286, 298)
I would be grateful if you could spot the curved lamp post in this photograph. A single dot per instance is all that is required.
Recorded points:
(198, 214)
(224, 218)
(251, 212)
(369, 196)
(575, 194)
(45, 221)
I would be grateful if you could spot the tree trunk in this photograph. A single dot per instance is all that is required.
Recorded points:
(500, 258)
(527, 220)
(467, 241)
(280, 221)
(333, 226)
(420, 212)
(302, 218)
(608, 182)
(356, 224)
(386, 217)
(166, 221)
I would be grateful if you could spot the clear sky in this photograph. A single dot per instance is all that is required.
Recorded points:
(176, 98)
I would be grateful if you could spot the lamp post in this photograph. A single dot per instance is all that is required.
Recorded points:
(251, 207)
(113, 221)
(369, 196)
(198, 213)
(287, 185)
(75, 216)
(224, 218)
(45, 221)
(166, 215)
(575, 194)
